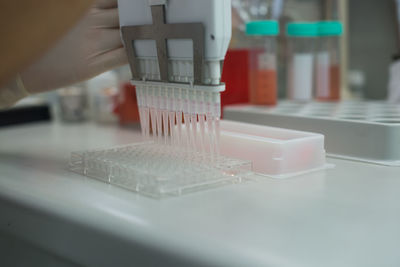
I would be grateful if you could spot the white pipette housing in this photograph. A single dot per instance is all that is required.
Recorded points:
(175, 50)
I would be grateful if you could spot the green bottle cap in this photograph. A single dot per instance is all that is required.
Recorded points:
(302, 29)
(330, 28)
(262, 27)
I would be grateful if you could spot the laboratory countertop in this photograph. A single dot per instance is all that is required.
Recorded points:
(345, 216)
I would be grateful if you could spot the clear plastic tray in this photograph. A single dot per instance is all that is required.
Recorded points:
(157, 170)
(358, 130)
(275, 152)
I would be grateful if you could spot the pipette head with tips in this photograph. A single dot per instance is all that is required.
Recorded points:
(175, 50)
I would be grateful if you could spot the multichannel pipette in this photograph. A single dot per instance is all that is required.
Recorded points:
(175, 50)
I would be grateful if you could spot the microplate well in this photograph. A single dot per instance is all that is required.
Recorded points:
(358, 130)
(157, 170)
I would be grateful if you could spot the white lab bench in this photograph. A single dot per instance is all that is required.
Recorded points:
(345, 216)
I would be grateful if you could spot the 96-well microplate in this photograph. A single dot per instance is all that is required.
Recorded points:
(157, 170)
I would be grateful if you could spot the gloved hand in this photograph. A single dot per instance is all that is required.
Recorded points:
(92, 47)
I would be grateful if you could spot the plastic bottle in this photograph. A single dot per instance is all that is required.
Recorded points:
(327, 61)
(73, 103)
(262, 62)
(103, 96)
(302, 37)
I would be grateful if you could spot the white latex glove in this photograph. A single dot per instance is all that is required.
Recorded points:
(93, 46)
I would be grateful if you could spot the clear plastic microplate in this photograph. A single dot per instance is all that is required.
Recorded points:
(158, 170)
